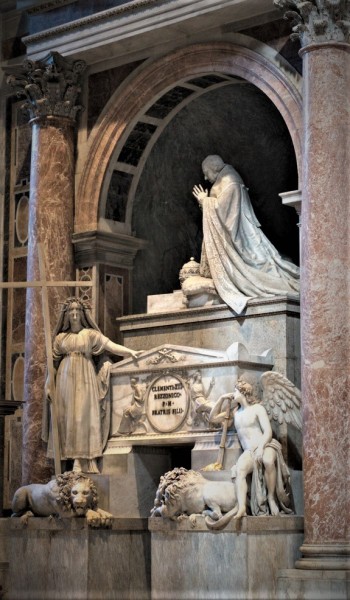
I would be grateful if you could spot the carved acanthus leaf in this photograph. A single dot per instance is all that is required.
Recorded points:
(51, 86)
(318, 20)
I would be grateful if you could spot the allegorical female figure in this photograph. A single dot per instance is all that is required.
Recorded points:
(236, 254)
(80, 386)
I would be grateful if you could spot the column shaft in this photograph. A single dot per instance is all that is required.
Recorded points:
(325, 299)
(51, 223)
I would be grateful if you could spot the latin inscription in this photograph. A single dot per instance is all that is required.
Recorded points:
(167, 403)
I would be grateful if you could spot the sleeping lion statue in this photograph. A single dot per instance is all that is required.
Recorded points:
(184, 493)
(67, 496)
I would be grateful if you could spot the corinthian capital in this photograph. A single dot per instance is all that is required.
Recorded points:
(318, 20)
(51, 86)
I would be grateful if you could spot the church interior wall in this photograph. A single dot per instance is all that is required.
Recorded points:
(139, 149)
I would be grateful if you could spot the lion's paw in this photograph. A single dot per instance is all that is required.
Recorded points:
(193, 520)
(24, 519)
(181, 517)
(99, 518)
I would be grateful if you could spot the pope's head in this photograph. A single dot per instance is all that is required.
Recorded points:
(211, 167)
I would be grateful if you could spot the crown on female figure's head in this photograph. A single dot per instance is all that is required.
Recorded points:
(67, 303)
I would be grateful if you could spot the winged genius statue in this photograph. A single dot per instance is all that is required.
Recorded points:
(262, 454)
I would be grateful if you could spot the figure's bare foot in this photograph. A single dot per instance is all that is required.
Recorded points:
(273, 507)
(213, 467)
(241, 513)
(77, 466)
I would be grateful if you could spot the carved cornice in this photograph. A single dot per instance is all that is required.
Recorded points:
(51, 86)
(47, 6)
(90, 20)
(318, 21)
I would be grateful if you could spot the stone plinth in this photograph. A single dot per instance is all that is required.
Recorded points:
(240, 562)
(297, 584)
(51, 560)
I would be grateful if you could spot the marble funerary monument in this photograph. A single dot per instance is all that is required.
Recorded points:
(174, 312)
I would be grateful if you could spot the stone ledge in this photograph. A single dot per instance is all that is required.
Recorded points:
(248, 525)
(76, 524)
(255, 308)
(299, 574)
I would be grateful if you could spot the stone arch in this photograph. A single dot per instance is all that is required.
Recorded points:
(243, 57)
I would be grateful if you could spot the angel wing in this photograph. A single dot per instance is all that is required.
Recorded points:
(281, 398)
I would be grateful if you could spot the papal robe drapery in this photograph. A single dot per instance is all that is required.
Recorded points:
(236, 254)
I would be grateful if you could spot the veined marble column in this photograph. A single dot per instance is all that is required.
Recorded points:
(51, 87)
(323, 27)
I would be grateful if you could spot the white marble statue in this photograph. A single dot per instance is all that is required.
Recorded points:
(80, 388)
(236, 254)
(67, 496)
(262, 455)
(182, 493)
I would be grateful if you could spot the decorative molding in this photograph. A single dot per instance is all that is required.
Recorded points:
(165, 355)
(51, 86)
(9, 407)
(170, 368)
(50, 5)
(317, 21)
(115, 249)
(90, 20)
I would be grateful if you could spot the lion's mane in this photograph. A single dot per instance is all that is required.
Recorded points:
(66, 482)
(173, 482)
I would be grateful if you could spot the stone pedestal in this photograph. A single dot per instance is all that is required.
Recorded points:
(240, 562)
(51, 560)
(297, 584)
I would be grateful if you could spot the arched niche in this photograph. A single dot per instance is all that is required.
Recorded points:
(185, 78)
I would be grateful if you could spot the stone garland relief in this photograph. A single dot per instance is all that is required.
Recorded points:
(317, 21)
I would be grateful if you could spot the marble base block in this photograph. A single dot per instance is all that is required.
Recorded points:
(297, 584)
(241, 562)
(52, 560)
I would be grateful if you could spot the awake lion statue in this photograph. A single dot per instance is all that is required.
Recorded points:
(183, 492)
(67, 496)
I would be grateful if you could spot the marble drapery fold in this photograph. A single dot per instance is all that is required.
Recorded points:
(241, 260)
(79, 394)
